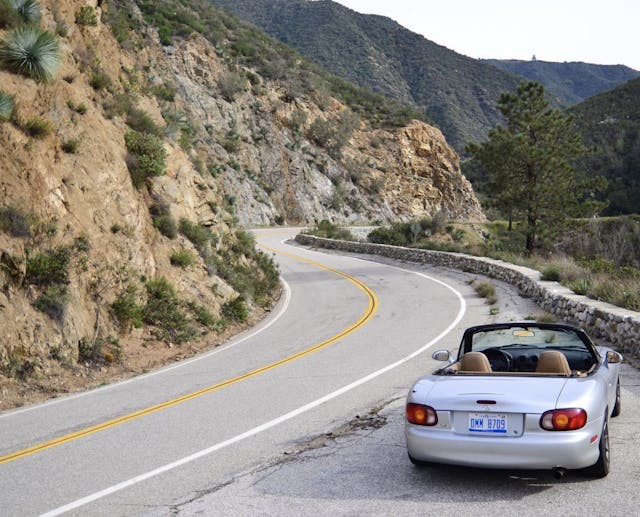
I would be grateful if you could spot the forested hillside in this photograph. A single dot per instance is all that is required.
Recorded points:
(610, 122)
(570, 83)
(458, 93)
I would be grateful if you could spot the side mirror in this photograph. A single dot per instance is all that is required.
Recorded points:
(613, 357)
(442, 355)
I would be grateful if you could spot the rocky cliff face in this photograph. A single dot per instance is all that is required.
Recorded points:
(238, 153)
(274, 171)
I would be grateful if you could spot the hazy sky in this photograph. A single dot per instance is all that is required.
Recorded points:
(594, 31)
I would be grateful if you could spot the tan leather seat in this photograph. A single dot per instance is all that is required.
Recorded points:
(475, 362)
(553, 361)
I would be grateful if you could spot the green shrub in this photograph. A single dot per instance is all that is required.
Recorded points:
(321, 132)
(53, 302)
(231, 142)
(126, 308)
(581, 286)
(147, 156)
(7, 106)
(31, 51)
(486, 290)
(551, 273)
(250, 272)
(37, 127)
(89, 351)
(163, 310)
(230, 84)
(199, 235)
(16, 365)
(385, 235)
(99, 80)
(139, 121)
(182, 258)
(329, 230)
(166, 225)
(165, 92)
(81, 108)
(161, 214)
(86, 15)
(235, 310)
(99, 351)
(70, 146)
(49, 267)
(120, 105)
(204, 316)
(14, 222)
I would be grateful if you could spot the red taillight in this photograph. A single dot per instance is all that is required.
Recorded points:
(420, 414)
(563, 419)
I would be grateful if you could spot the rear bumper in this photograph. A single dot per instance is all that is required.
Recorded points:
(532, 450)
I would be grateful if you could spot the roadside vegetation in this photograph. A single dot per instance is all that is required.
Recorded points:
(598, 258)
(26, 48)
(589, 259)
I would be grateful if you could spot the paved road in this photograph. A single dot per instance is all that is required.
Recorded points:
(363, 470)
(325, 354)
(206, 436)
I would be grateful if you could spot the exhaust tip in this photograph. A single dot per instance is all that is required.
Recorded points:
(558, 472)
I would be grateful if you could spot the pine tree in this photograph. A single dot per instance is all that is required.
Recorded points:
(529, 165)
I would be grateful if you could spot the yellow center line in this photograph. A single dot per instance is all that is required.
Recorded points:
(369, 312)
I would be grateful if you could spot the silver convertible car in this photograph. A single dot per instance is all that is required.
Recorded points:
(518, 395)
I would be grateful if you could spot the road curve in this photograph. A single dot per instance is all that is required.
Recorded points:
(347, 333)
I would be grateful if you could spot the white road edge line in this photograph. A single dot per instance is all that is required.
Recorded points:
(272, 423)
(199, 357)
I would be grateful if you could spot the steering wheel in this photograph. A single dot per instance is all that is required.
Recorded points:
(500, 360)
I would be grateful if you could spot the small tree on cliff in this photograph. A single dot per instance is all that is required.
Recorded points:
(528, 165)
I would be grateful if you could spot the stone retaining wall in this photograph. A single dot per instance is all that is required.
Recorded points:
(618, 326)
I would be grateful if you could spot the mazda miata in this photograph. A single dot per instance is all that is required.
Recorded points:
(517, 396)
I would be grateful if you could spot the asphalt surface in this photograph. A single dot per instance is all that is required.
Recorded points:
(266, 425)
(363, 470)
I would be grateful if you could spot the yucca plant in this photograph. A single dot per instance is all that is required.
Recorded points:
(8, 15)
(37, 127)
(7, 106)
(28, 10)
(31, 51)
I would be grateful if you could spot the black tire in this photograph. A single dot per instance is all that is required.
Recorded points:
(617, 405)
(600, 468)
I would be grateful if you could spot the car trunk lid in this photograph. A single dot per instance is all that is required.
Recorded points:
(521, 394)
(492, 406)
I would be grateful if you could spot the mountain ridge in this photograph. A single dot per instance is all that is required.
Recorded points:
(463, 105)
(457, 92)
(610, 125)
(570, 82)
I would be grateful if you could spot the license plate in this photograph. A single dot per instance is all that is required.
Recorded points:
(487, 423)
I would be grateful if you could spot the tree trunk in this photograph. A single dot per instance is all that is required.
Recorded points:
(531, 235)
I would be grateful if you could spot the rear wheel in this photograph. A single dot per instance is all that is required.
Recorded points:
(601, 467)
(616, 407)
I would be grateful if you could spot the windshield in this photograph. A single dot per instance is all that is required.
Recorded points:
(515, 337)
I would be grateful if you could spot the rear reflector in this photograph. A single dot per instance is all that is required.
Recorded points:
(563, 419)
(420, 414)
